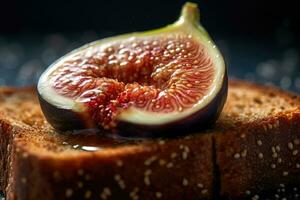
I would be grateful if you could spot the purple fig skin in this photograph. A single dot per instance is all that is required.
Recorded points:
(62, 119)
(66, 119)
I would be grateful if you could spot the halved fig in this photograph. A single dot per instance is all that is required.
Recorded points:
(140, 84)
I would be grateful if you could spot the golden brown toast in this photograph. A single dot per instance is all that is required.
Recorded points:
(258, 156)
(251, 153)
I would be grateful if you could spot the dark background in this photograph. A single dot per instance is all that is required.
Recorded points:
(259, 39)
(220, 17)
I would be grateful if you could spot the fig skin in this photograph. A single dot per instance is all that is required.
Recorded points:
(65, 119)
(62, 119)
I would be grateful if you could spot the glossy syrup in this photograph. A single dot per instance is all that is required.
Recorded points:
(96, 140)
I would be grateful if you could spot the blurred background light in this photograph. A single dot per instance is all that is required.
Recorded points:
(259, 39)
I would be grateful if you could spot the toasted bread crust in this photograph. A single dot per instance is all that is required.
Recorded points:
(140, 171)
(259, 157)
(7, 126)
(259, 127)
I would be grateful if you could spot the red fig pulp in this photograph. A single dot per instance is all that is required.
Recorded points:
(139, 84)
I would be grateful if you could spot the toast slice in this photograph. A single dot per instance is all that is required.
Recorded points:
(252, 152)
(258, 156)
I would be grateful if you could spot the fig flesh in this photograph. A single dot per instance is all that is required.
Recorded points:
(140, 84)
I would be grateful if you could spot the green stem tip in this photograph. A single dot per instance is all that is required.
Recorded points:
(190, 12)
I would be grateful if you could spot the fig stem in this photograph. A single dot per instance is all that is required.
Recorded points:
(190, 13)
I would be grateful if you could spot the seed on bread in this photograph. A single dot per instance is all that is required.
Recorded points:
(134, 193)
(106, 192)
(69, 192)
(279, 160)
(158, 195)
(170, 165)
(173, 155)
(204, 191)
(161, 142)
(150, 160)
(244, 153)
(185, 182)
(255, 197)
(87, 194)
(259, 142)
(285, 173)
(119, 163)
(248, 192)
(25, 155)
(147, 180)
(295, 152)
(162, 162)
(237, 156)
(273, 166)
(290, 145)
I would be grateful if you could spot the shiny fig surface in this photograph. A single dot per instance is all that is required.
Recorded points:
(157, 83)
